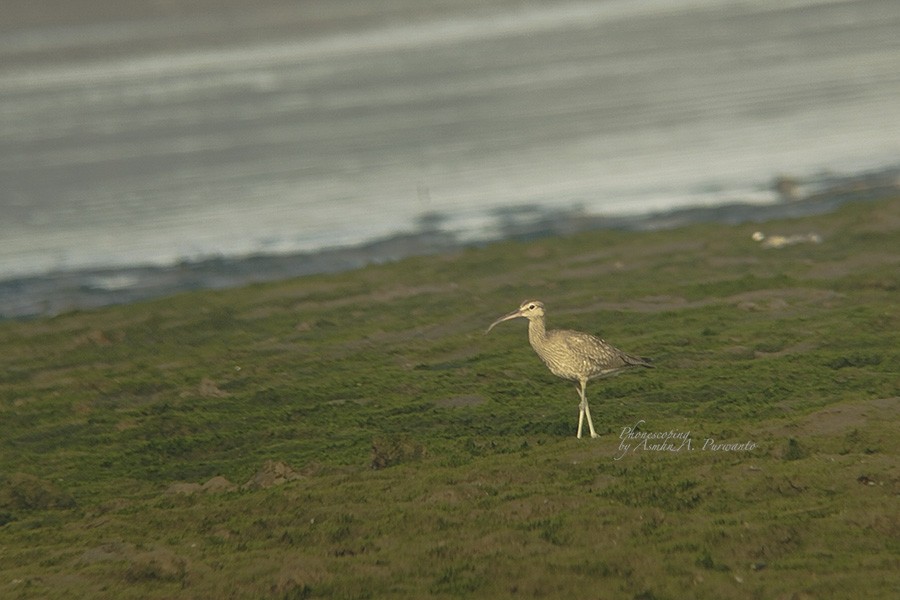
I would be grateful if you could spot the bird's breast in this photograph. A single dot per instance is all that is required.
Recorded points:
(560, 362)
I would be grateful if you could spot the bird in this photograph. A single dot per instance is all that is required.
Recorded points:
(572, 355)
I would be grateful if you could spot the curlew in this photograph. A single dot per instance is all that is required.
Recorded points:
(572, 355)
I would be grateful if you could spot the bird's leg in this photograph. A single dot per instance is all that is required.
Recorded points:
(581, 406)
(580, 419)
(586, 410)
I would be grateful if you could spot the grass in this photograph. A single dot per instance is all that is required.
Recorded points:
(430, 460)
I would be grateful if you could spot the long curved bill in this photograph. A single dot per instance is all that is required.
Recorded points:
(512, 315)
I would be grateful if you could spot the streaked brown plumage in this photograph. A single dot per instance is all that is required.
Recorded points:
(573, 355)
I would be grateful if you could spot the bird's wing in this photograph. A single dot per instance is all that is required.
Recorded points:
(602, 355)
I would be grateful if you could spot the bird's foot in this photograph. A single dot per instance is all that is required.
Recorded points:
(594, 434)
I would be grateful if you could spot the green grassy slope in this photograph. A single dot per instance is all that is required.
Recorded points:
(430, 460)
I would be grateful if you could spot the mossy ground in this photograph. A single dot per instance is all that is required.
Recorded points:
(481, 488)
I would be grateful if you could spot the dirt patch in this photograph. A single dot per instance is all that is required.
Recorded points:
(215, 485)
(799, 348)
(858, 263)
(648, 304)
(884, 219)
(159, 564)
(842, 418)
(271, 474)
(111, 552)
(719, 262)
(390, 451)
(184, 488)
(21, 491)
(209, 389)
(770, 300)
(154, 564)
(784, 299)
(595, 264)
(98, 337)
(219, 484)
(297, 576)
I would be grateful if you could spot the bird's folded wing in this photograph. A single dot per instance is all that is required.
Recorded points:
(595, 351)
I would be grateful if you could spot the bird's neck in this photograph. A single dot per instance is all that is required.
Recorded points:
(537, 331)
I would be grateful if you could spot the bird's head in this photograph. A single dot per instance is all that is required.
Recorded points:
(530, 309)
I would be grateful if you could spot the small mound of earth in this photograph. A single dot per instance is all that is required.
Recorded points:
(153, 564)
(271, 474)
(215, 485)
(22, 491)
(219, 484)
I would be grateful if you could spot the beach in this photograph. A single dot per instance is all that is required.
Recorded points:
(52, 293)
(157, 135)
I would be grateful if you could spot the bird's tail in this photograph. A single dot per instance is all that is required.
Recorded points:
(639, 361)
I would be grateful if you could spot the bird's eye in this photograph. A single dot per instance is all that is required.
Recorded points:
(531, 307)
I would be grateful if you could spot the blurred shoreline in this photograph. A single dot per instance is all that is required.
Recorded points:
(63, 291)
(151, 148)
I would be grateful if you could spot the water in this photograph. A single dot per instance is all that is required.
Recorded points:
(156, 140)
